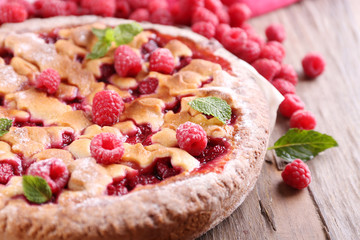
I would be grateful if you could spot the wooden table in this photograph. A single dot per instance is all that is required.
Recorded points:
(330, 207)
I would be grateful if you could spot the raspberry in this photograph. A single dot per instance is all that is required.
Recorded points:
(204, 15)
(117, 188)
(288, 73)
(273, 50)
(297, 174)
(28, 6)
(234, 40)
(136, 4)
(250, 52)
(302, 119)
(107, 108)
(183, 10)
(12, 12)
(213, 5)
(140, 15)
(49, 80)
(54, 8)
(239, 13)
(204, 28)
(122, 9)
(105, 8)
(283, 86)
(161, 60)
(107, 148)
(221, 29)
(158, 4)
(275, 32)
(223, 15)
(53, 170)
(162, 16)
(291, 104)
(313, 65)
(148, 86)
(267, 68)
(127, 62)
(192, 138)
(6, 172)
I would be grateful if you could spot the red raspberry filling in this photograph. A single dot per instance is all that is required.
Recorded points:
(297, 174)
(192, 138)
(53, 170)
(51, 37)
(127, 62)
(6, 54)
(107, 70)
(313, 65)
(162, 60)
(48, 80)
(107, 148)
(142, 135)
(303, 120)
(148, 48)
(107, 108)
(6, 172)
(148, 86)
(215, 148)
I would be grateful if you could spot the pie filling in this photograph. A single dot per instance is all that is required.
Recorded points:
(60, 125)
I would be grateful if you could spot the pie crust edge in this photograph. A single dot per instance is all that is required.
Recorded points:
(175, 209)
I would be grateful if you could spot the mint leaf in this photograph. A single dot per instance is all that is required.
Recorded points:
(36, 189)
(121, 34)
(125, 33)
(302, 144)
(99, 50)
(5, 125)
(212, 106)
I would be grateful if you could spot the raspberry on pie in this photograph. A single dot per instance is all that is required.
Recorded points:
(124, 154)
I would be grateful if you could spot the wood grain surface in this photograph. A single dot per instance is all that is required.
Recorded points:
(330, 207)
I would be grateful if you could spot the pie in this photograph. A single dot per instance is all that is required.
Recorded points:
(155, 190)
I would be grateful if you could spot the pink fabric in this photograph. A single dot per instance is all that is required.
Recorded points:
(259, 7)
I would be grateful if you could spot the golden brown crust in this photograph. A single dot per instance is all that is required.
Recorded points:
(182, 207)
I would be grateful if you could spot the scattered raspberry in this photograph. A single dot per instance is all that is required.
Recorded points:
(105, 8)
(275, 32)
(148, 85)
(250, 52)
(54, 8)
(136, 4)
(213, 5)
(234, 40)
(313, 65)
(273, 50)
(267, 68)
(49, 80)
(303, 120)
(127, 62)
(158, 4)
(6, 172)
(204, 28)
(122, 9)
(140, 15)
(53, 170)
(283, 86)
(239, 13)
(12, 12)
(161, 60)
(28, 6)
(297, 174)
(288, 73)
(223, 15)
(221, 29)
(107, 108)
(204, 15)
(291, 104)
(192, 138)
(107, 148)
(162, 16)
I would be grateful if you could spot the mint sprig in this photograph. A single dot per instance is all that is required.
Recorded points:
(302, 144)
(36, 189)
(121, 34)
(5, 125)
(213, 106)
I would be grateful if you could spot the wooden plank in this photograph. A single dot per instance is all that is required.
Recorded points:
(330, 207)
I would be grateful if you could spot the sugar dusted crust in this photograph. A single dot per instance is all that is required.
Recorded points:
(182, 207)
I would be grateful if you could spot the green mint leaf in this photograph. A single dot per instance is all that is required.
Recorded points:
(212, 106)
(99, 50)
(99, 33)
(125, 33)
(109, 35)
(302, 144)
(36, 189)
(5, 125)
